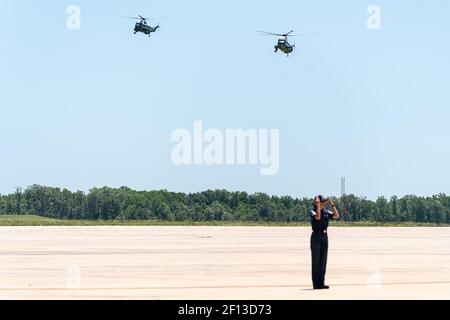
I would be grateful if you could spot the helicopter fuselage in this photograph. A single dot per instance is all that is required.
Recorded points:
(144, 28)
(284, 46)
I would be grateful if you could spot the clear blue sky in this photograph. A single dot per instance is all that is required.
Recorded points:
(97, 106)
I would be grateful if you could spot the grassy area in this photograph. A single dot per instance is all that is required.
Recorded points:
(28, 220)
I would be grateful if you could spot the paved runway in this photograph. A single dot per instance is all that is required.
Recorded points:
(220, 263)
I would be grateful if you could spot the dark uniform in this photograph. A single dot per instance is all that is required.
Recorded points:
(319, 247)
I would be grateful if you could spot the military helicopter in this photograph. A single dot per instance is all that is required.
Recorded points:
(142, 25)
(283, 43)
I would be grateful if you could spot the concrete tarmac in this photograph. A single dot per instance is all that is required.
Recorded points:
(220, 263)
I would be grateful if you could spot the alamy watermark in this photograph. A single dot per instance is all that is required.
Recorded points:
(231, 147)
(374, 19)
(73, 280)
(74, 20)
(374, 276)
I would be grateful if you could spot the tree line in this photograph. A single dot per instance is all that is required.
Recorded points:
(212, 205)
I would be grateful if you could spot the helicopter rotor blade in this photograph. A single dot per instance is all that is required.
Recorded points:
(139, 17)
(289, 34)
(155, 18)
(135, 18)
(302, 34)
(264, 33)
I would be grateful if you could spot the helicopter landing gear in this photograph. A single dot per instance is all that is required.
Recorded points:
(276, 49)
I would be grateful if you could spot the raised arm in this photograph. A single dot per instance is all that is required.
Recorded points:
(335, 211)
(317, 216)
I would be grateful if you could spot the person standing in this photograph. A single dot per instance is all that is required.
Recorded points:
(320, 217)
